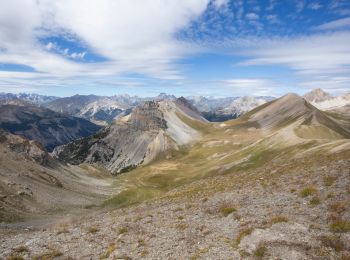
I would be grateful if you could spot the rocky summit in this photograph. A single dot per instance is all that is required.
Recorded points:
(152, 129)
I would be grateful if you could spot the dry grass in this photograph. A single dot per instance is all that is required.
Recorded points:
(225, 210)
(278, 219)
(329, 180)
(340, 226)
(123, 230)
(333, 242)
(92, 230)
(242, 234)
(338, 207)
(315, 201)
(182, 226)
(51, 254)
(308, 191)
(260, 251)
(111, 248)
(15, 257)
(21, 249)
(63, 230)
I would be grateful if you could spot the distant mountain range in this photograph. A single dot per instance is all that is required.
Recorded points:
(54, 121)
(103, 110)
(325, 101)
(29, 97)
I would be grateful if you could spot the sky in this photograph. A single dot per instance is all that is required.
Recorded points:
(183, 47)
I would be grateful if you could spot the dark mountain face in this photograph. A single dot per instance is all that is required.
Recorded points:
(43, 125)
(217, 116)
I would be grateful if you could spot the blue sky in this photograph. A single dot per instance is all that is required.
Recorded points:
(189, 47)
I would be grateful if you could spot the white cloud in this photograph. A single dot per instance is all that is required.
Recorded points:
(134, 37)
(252, 16)
(315, 6)
(221, 3)
(324, 53)
(315, 59)
(300, 5)
(272, 18)
(272, 5)
(335, 84)
(336, 24)
(257, 86)
(79, 55)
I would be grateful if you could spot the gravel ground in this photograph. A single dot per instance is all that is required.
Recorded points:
(284, 213)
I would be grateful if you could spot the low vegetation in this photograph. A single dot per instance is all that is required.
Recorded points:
(260, 251)
(21, 249)
(315, 201)
(244, 232)
(123, 230)
(111, 248)
(329, 180)
(15, 257)
(333, 242)
(92, 230)
(225, 211)
(278, 219)
(340, 226)
(308, 191)
(338, 207)
(51, 254)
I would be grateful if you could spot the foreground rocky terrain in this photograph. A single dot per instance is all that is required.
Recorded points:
(274, 184)
(288, 209)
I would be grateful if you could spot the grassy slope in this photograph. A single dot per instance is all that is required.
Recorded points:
(230, 147)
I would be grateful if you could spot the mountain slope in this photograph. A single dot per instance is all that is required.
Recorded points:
(152, 129)
(300, 116)
(43, 125)
(34, 184)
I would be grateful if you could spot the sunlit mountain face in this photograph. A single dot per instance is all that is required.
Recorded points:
(214, 48)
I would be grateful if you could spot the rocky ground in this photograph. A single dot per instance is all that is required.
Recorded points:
(295, 210)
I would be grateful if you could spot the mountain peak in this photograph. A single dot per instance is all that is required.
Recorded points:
(317, 95)
(280, 111)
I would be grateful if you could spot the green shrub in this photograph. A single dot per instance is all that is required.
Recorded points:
(92, 230)
(260, 250)
(123, 230)
(225, 211)
(307, 191)
(315, 201)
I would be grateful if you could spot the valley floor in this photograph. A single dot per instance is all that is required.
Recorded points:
(295, 209)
